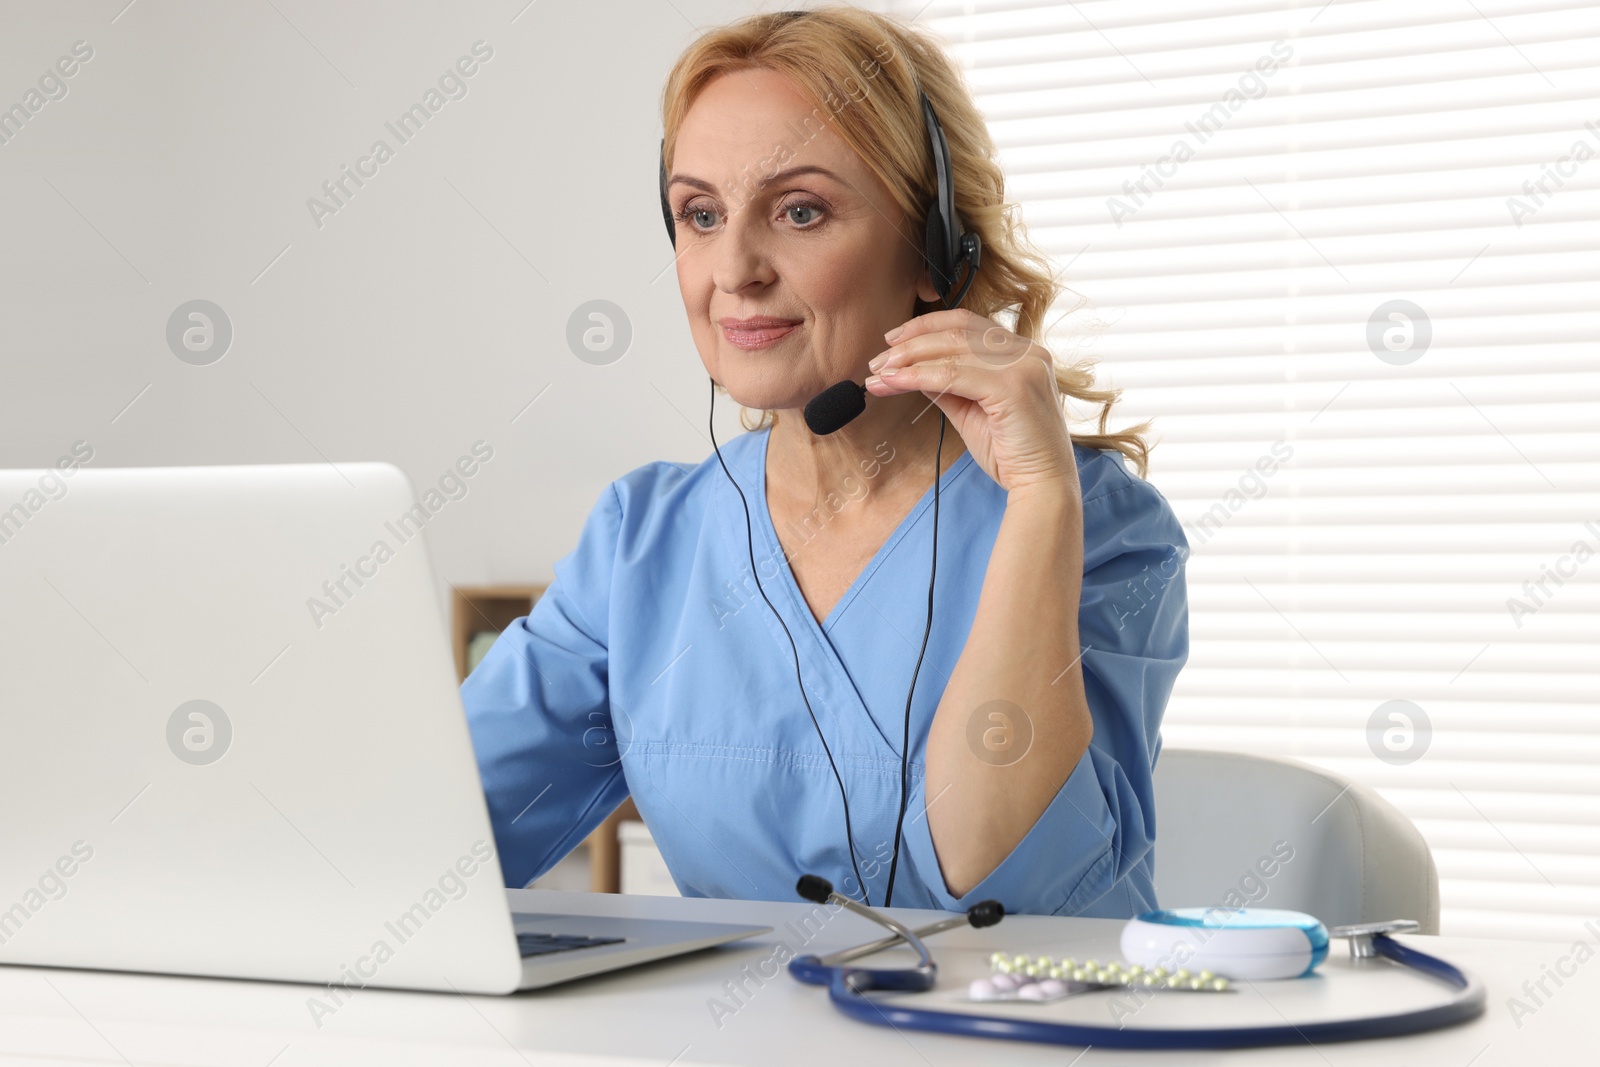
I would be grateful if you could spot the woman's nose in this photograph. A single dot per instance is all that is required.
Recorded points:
(742, 253)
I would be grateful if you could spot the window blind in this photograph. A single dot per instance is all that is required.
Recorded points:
(1346, 256)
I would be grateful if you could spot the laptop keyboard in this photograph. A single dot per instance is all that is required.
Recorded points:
(543, 944)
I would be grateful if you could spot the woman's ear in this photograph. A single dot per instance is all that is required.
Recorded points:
(927, 296)
(922, 274)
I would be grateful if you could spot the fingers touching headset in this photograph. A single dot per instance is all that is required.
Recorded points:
(998, 390)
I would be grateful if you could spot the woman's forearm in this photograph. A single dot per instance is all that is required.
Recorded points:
(1018, 682)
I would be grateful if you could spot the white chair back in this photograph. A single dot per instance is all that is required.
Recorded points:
(1244, 830)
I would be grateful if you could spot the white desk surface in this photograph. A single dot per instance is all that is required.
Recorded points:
(660, 1013)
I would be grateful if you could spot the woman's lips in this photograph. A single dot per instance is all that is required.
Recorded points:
(757, 337)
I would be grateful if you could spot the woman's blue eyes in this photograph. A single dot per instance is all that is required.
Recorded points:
(688, 213)
(802, 206)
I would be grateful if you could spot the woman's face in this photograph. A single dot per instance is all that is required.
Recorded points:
(821, 250)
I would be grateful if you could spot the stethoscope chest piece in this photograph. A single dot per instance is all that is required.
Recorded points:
(1361, 935)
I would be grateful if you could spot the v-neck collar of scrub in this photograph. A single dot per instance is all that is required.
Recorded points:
(793, 587)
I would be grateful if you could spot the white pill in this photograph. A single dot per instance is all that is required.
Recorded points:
(983, 989)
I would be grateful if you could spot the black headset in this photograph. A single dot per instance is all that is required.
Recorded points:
(945, 251)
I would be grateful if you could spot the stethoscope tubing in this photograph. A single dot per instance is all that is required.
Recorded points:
(848, 988)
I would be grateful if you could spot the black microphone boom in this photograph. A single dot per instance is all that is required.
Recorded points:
(835, 406)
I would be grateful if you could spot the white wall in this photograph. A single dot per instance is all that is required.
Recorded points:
(420, 318)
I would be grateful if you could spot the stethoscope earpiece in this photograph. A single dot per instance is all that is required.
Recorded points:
(986, 913)
(814, 888)
(817, 970)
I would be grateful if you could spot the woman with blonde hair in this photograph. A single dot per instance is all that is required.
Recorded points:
(737, 644)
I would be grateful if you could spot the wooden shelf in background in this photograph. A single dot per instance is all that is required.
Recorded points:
(476, 608)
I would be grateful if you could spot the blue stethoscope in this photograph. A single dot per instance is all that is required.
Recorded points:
(848, 988)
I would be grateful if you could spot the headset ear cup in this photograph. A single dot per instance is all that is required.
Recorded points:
(938, 254)
(666, 204)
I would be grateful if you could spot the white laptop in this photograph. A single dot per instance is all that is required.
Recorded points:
(206, 773)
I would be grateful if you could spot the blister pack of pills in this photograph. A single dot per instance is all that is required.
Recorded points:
(1041, 979)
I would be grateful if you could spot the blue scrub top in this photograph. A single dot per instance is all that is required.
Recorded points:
(652, 666)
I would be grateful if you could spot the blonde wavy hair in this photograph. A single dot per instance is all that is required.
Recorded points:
(836, 56)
